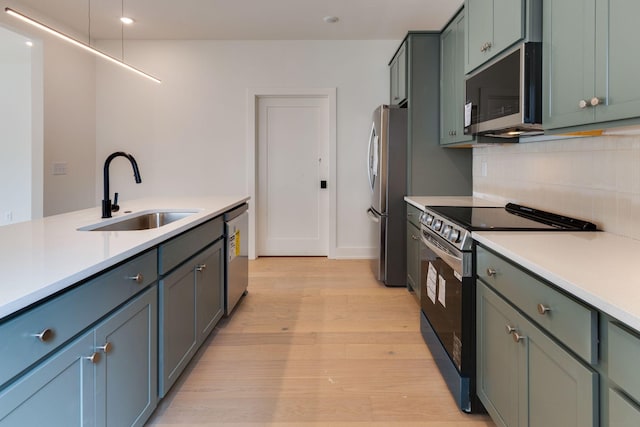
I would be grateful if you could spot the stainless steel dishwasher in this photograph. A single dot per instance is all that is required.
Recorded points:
(236, 232)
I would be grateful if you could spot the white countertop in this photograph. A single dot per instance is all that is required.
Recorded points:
(421, 201)
(597, 267)
(41, 257)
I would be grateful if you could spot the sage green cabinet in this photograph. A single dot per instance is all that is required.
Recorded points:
(589, 69)
(398, 73)
(191, 303)
(524, 377)
(622, 411)
(106, 377)
(413, 249)
(127, 374)
(59, 392)
(452, 87)
(492, 26)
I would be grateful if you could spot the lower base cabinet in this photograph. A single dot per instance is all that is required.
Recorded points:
(524, 377)
(106, 377)
(191, 303)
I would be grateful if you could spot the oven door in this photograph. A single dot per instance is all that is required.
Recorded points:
(442, 277)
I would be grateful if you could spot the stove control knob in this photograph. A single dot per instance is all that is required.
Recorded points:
(445, 232)
(423, 217)
(429, 219)
(454, 236)
(437, 225)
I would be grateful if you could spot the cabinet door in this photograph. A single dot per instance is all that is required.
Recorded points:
(562, 390)
(398, 74)
(413, 258)
(508, 24)
(59, 392)
(479, 32)
(447, 84)
(617, 65)
(210, 289)
(501, 363)
(126, 377)
(568, 62)
(178, 335)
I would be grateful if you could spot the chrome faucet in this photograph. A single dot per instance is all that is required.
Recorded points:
(107, 207)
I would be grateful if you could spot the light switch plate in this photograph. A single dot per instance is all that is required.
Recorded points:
(60, 168)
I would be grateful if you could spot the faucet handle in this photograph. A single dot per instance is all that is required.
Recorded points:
(114, 205)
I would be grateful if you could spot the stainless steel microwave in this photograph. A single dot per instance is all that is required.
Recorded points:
(504, 98)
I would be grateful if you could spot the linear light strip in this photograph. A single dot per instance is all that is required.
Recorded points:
(78, 43)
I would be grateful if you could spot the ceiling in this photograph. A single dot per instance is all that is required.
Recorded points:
(244, 19)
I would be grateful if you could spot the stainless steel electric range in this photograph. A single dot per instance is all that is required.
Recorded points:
(448, 284)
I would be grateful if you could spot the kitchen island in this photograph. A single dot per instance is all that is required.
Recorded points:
(95, 325)
(42, 257)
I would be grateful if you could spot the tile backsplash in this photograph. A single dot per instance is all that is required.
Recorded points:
(591, 178)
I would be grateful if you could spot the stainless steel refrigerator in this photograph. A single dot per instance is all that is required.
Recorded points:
(387, 164)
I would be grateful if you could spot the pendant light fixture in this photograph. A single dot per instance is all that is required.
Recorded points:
(78, 43)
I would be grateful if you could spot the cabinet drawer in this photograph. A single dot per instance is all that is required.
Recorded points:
(413, 215)
(175, 251)
(624, 353)
(571, 322)
(69, 313)
(622, 413)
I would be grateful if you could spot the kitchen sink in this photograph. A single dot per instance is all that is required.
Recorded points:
(141, 221)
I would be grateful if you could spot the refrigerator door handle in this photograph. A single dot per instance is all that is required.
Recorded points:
(369, 156)
(373, 216)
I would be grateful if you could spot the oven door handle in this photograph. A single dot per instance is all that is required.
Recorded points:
(453, 260)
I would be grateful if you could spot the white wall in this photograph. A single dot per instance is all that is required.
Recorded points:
(15, 122)
(597, 178)
(63, 119)
(189, 133)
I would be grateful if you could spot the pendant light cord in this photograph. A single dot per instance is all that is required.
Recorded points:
(122, 31)
(89, 21)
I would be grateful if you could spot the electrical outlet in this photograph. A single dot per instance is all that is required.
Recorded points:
(60, 168)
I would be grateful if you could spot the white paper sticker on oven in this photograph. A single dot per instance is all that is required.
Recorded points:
(442, 291)
(432, 283)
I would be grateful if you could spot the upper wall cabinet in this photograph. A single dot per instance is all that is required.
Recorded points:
(398, 72)
(494, 25)
(452, 90)
(590, 69)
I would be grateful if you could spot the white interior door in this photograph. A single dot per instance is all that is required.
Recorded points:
(293, 159)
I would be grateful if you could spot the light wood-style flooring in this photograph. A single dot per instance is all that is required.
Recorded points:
(315, 342)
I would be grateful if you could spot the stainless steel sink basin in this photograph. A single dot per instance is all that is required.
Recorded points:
(141, 221)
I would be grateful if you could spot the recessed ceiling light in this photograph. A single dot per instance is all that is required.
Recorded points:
(331, 19)
(127, 20)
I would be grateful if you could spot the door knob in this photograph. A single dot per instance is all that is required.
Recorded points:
(583, 104)
(594, 101)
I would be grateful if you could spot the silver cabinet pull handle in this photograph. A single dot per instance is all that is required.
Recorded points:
(517, 337)
(491, 272)
(138, 278)
(45, 335)
(94, 358)
(542, 309)
(201, 267)
(510, 329)
(106, 348)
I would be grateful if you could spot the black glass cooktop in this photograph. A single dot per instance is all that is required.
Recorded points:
(511, 217)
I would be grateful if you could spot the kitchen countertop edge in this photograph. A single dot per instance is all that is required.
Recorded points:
(580, 263)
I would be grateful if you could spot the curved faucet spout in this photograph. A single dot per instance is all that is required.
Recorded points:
(107, 208)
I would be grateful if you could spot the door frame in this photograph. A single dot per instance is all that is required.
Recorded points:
(253, 96)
